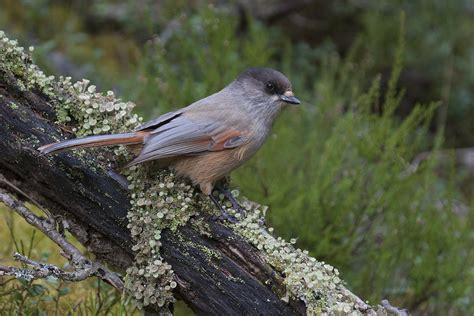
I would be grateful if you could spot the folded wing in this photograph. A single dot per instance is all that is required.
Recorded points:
(179, 135)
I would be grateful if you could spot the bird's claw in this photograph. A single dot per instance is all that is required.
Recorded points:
(235, 204)
(224, 215)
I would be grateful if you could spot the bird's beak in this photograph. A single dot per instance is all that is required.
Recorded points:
(289, 97)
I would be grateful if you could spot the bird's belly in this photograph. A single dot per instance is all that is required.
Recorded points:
(210, 167)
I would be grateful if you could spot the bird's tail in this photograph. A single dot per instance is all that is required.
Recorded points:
(95, 141)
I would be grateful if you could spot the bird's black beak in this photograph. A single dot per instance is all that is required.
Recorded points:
(289, 97)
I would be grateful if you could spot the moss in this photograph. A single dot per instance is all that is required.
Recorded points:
(211, 254)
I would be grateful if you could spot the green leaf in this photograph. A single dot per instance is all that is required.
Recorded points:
(64, 291)
(37, 289)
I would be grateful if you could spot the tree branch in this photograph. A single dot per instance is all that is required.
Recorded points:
(84, 268)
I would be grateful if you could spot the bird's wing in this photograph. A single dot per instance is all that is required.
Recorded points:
(160, 121)
(181, 135)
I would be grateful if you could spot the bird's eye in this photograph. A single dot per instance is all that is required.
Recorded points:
(269, 86)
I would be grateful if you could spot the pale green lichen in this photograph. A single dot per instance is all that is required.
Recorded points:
(94, 112)
(157, 203)
(316, 283)
(159, 200)
(13, 105)
(18, 62)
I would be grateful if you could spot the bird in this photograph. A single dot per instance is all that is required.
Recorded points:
(208, 139)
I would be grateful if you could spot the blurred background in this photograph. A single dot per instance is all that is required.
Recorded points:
(372, 174)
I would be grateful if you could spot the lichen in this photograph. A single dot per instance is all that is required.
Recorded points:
(12, 105)
(314, 282)
(159, 200)
(94, 112)
(18, 62)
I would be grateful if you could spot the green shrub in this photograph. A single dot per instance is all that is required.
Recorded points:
(439, 55)
(337, 174)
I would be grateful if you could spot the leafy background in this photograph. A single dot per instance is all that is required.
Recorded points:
(381, 81)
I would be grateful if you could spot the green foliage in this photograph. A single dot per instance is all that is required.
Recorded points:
(338, 175)
(439, 55)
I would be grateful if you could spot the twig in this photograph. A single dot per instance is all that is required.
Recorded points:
(18, 190)
(464, 156)
(83, 267)
(43, 270)
(393, 310)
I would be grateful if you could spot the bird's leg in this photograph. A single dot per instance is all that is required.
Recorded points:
(235, 204)
(225, 215)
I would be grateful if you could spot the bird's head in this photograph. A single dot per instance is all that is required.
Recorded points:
(266, 86)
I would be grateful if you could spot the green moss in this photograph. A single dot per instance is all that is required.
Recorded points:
(211, 254)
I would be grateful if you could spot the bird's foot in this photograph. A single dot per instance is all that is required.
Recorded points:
(224, 215)
(235, 204)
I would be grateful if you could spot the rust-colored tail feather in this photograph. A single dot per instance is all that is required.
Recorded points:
(95, 141)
